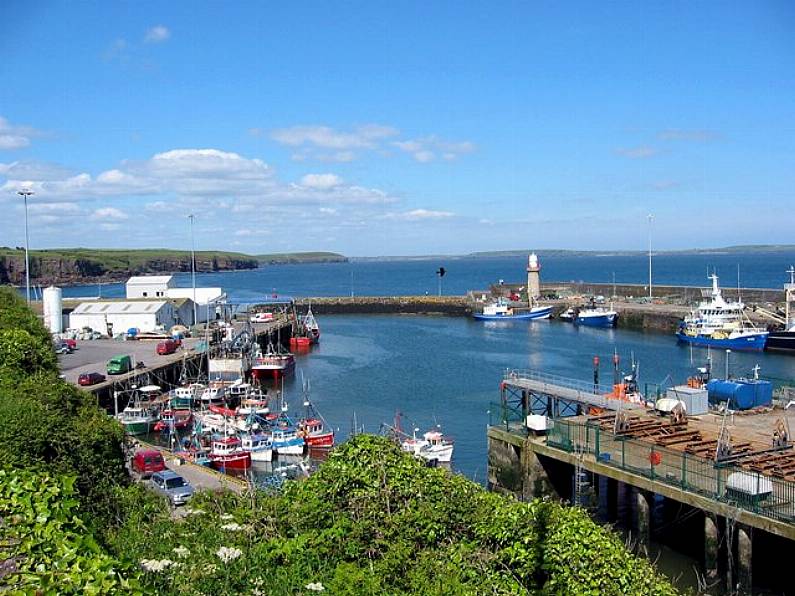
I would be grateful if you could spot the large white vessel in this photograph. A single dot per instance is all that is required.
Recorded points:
(719, 323)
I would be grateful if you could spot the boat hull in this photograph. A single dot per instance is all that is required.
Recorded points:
(320, 440)
(240, 461)
(262, 455)
(606, 320)
(442, 454)
(261, 373)
(527, 316)
(781, 341)
(754, 343)
(139, 427)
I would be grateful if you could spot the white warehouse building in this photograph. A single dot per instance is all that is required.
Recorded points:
(158, 287)
(112, 318)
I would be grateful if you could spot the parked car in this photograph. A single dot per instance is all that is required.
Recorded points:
(146, 462)
(72, 343)
(119, 364)
(167, 347)
(91, 378)
(61, 347)
(261, 317)
(172, 486)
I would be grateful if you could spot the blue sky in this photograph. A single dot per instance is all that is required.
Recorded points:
(397, 127)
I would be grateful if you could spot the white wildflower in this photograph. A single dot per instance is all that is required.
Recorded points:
(232, 527)
(155, 565)
(182, 552)
(315, 587)
(227, 516)
(227, 554)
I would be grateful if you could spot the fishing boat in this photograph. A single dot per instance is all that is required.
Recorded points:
(717, 323)
(500, 310)
(228, 454)
(274, 363)
(596, 317)
(259, 445)
(311, 326)
(568, 315)
(314, 429)
(286, 441)
(214, 394)
(254, 404)
(186, 396)
(174, 419)
(138, 419)
(432, 446)
(784, 339)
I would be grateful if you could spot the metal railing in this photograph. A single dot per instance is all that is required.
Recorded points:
(728, 483)
(515, 374)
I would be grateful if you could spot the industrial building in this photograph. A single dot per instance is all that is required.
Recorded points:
(112, 317)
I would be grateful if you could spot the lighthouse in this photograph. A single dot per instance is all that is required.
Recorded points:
(533, 278)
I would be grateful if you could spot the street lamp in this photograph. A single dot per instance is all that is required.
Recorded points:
(650, 218)
(25, 193)
(193, 267)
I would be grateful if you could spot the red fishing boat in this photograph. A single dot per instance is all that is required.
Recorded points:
(312, 327)
(228, 454)
(274, 363)
(178, 419)
(313, 427)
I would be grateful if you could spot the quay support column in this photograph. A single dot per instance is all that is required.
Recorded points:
(711, 546)
(642, 524)
(744, 552)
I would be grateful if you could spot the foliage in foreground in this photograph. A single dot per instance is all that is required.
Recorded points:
(47, 423)
(373, 520)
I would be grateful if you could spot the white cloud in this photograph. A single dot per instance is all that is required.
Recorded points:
(426, 149)
(321, 181)
(328, 211)
(420, 214)
(14, 136)
(157, 34)
(54, 208)
(109, 213)
(640, 152)
(361, 137)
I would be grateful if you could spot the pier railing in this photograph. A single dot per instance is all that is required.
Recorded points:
(554, 381)
(728, 483)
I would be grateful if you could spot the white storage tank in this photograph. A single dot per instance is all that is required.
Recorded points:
(53, 309)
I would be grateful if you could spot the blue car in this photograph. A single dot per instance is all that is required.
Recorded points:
(172, 486)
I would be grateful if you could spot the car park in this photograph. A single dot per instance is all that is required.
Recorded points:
(91, 378)
(172, 486)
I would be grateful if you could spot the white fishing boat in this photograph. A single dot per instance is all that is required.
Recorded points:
(501, 310)
(432, 446)
(259, 445)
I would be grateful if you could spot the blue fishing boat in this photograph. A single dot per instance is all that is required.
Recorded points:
(502, 311)
(717, 323)
(596, 317)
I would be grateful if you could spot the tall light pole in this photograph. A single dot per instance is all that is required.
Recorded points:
(650, 218)
(193, 266)
(25, 193)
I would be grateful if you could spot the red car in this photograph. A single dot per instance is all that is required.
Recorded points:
(167, 347)
(91, 378)
(71, 343)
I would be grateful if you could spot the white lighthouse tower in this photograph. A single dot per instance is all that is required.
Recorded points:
(533, 279)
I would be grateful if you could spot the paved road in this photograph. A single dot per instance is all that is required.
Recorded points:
(91, 356)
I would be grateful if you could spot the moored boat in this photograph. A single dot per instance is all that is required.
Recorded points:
(228, 454)
(432, 446)
(177, 419)
(138, 420)
(274, 363)
(286, 441)
(501, 310)
(596, 317)
(718, 323)
(186, 396)
(783, 339)
(259, 445)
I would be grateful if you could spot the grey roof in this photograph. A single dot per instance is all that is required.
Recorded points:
(118, 308)
(139, 280)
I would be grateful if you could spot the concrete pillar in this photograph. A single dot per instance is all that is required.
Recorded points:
(744, 581)
(602, 483)
(642, 520)
(711, 544)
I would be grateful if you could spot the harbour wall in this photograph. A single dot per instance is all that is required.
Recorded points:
(416, 305)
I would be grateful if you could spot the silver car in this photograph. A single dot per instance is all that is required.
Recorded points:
(172, 486)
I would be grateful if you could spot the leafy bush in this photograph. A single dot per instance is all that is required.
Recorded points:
(45, 548)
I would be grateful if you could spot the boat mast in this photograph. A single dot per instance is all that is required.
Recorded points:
(788, 289)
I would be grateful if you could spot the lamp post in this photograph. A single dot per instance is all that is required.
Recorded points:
(25, 193)
(650, 294)
(193, 267)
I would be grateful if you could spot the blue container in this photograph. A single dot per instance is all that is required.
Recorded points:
(741, 394)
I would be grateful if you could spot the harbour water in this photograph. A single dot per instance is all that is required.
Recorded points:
(416, 277)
